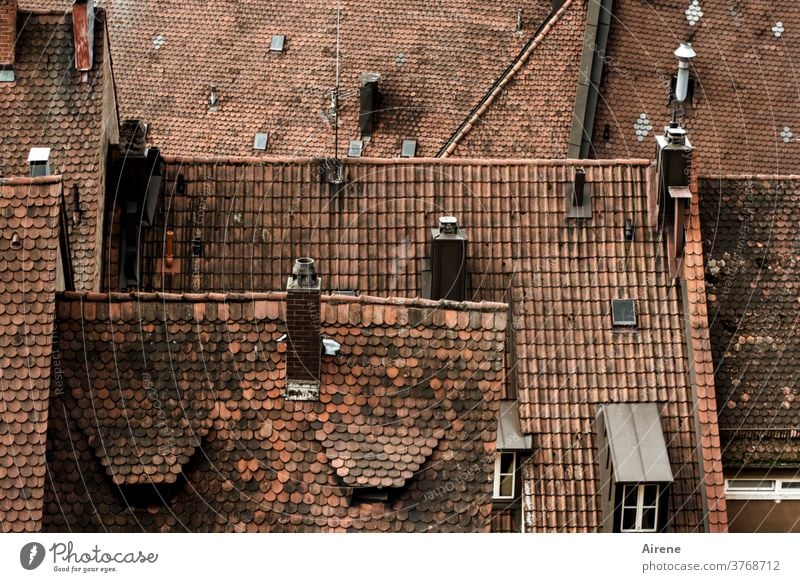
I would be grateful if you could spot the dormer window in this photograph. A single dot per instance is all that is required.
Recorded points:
(505, 475)
(634, 468)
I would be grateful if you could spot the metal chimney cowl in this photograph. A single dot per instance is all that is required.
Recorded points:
(304, 276)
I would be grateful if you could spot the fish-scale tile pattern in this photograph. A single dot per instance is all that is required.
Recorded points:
(751, 245)
(408, 407)
(531, 115)
(743, 96)
(435, 60)
(48, 106)
(29, 232)
(560, 276)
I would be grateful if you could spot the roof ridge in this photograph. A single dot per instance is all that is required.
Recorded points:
(510, 72)
(211, 297)
(750, 177)
(230, 160)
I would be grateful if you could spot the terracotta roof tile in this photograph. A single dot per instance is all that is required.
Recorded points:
(529, 111)
(435, 62)
(215, 436)
(750, 225)
(48, 106)
(29, 212)
(744, 102)
(373, 236)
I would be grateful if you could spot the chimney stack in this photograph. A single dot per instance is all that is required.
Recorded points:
(303, 340)
(83, 33)
(673, 170)
(369, 98)
(8, 34)
(448, 261)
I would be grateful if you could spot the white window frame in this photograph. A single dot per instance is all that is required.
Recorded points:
(746, 488)
(498, 477)
(639, 508)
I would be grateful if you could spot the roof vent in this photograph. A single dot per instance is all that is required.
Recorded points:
(277, 42)
(39, 160)
(578, 195)
(623, 312)
(409, 148)
(369, 99)
(630, 230)
(16, 242)
(213, 99)
(260, 142)
(448, 261)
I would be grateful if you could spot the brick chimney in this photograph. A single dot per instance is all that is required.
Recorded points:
(303, 341)
(8, 32)
(83, 33)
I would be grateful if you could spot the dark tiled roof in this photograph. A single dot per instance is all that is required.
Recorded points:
(160, 385)
(750, 232)
(48, 106)
(28, 210)
(253, 219)
(436, 62)
(529, 113)
(747, 93)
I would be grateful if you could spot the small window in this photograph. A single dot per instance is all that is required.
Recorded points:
(355, 148)
(792, 485)
(623, 312)
(260, 142)
(409, 148)
(751, 485)
(505, 475)
(276, 44)
(640, 508)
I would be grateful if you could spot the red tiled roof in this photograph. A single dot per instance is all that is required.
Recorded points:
(48, 106)
(252, 219)
(702, 367)
(747, 93)
(750, 228)
(185, 393)
(29, 211)
(436, 62)
(529, 111)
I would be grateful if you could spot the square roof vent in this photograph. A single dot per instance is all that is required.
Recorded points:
(260, 142)
(277, 42)
(355, 148)
(409, 148)
(623, 312)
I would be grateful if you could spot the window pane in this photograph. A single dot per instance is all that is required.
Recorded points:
(506, 463)
(790, 485)
(752, 484)
(630, 495)
(629, 519)
(649, 518)
(507, 485)
(650, 495)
